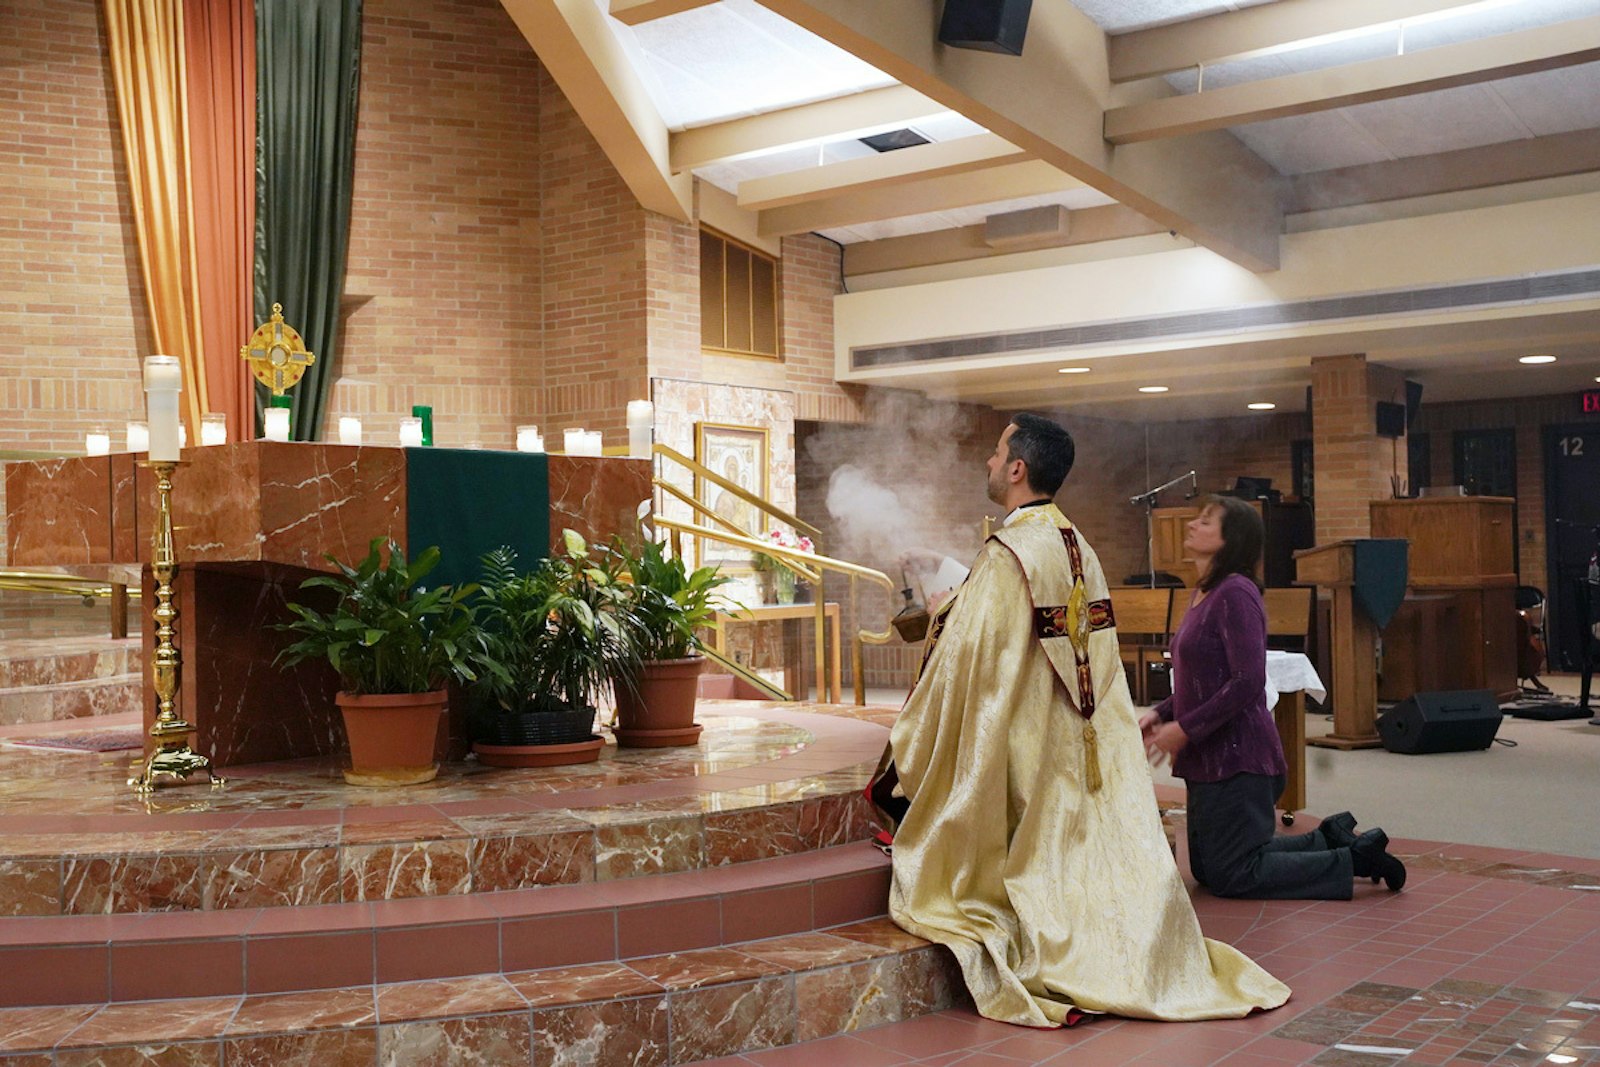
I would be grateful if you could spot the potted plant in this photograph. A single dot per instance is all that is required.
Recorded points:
(655, 703)
(778, 580)
(554, 639)
(395, 647)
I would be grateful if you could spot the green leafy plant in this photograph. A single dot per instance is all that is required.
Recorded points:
(672, 602)
(557, 636)
(387, 634)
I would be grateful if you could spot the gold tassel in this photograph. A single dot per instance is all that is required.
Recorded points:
(1091, 757)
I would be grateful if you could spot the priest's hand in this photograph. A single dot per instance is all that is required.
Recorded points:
(1168, 739)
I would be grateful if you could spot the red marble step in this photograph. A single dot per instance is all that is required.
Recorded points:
(75, 700)
(51, 661)
(111, 958)
(653, 1010)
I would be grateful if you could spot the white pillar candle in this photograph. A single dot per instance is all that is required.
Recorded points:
(138, 437)
(96, 443)
(214, 428)
(275, 424)
(349, 430)
(528, 439)
(183, 435)
(641, 415)
(411, 432)
(162, 380)
(572, 442)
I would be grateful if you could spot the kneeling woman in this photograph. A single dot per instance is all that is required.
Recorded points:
(1221, 736)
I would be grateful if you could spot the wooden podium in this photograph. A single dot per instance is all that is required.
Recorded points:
(1354, 646)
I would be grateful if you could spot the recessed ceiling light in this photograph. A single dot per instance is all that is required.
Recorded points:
(1537, 359)
(1073, 370)
(1152, 388)
(1263, 406)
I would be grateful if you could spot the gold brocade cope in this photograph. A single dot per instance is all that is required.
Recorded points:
(1053, 896)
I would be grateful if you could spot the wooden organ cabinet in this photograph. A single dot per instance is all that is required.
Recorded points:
(1288, 527)
(1457, 628)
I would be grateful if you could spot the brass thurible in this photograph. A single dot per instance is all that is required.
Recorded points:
(172, 759)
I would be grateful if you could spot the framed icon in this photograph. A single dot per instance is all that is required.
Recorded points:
(739, 454)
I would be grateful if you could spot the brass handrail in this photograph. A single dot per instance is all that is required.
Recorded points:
(63, 584)
(748, 676)
(763, 506)
(809, 575)
(822, 563)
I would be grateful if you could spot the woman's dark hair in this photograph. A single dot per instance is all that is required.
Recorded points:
(1045, 448)
(1242, 536)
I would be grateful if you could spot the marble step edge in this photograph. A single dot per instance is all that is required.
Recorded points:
(87, 959)
(76, 685)
(20, 666)
(40, 876)
(662, 1009)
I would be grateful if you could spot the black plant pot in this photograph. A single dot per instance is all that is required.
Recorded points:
(556, 725)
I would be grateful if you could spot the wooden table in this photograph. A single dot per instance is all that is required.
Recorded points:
(786, 613)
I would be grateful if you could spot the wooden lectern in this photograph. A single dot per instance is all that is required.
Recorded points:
(1354, 646)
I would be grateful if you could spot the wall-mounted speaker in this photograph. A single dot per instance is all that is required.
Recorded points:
(985, 25)
(1390, 419)
(1459, 721)
(1413, 400)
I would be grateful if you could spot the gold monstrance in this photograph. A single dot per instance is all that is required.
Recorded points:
(276, 353)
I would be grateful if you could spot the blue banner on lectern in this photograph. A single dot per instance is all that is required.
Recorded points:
(1381, 570)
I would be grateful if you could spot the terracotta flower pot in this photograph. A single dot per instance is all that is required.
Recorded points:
(661, 713)
(392, 736)
(538, 755)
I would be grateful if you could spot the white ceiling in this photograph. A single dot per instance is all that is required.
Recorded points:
(735, 58)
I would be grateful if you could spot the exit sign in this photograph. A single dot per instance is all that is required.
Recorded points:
(1591, 402)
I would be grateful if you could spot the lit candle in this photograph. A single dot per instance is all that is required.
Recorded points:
(183, 435)
(138, 437)
(641, 414)
(592, 445)
(572, 442)
(349, 430)
(96, 442)
(162, 380)
(411, 432)
(528, 439)
(214, 428)
(275, 424)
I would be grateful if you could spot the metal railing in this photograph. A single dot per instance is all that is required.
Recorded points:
(88, 590)
(808, 566)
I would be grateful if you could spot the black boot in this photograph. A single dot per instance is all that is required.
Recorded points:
(1339, 831)
(1369, 858)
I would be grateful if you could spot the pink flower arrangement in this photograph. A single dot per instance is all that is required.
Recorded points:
(782, 539)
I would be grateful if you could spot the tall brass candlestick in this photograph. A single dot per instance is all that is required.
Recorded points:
(172, 756)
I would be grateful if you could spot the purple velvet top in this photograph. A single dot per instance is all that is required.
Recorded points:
(1219, 695)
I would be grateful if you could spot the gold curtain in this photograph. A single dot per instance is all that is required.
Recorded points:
(221, 59)
(147, 68)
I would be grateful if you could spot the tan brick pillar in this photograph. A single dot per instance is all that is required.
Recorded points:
(1353, 464)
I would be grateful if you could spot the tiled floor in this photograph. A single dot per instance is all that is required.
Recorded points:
(1487, 956)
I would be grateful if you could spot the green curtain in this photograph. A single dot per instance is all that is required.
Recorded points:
(308, 62)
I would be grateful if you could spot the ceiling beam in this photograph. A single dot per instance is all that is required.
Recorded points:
(1507, 55)
(1010, 182)
(961, 156)
(843, 117)
(1552, 156)
(581, 53)
(1090, 225)
(1256, 31)
(634, 12)
(1050, 102)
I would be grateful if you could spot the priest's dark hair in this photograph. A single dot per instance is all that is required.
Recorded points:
(1045, 447)
(1242, 537)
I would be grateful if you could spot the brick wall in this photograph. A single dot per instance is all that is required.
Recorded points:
(443, 284)
(73, 323)
(1353, 464)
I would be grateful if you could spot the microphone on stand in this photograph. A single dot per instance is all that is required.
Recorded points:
(1194, 486)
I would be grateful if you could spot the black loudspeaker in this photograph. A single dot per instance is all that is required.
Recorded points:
(1460, 721)
(1413, 400)
(985, 25)
(1390, 419)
